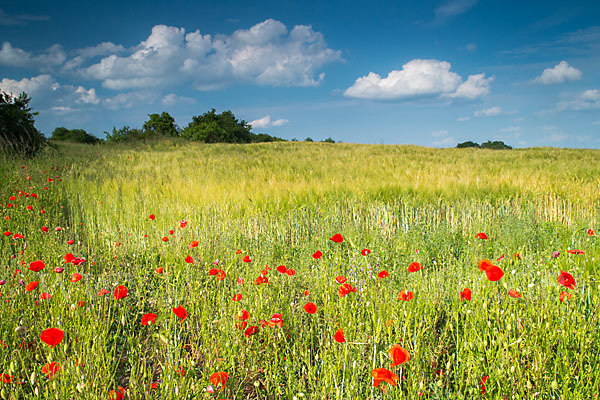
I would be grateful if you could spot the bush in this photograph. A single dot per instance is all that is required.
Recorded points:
(496, 145)
(18, 135)
(124, 134)
(467, 144)
(74, 135)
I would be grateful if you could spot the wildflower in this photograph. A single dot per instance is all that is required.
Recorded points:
(365, 252)
(339, 336)
(399, 355)
(514, 294)
(282, 269)
(120, 292)
(189, 259)
(219, 378)
(180, 312)
(251, 331)
(465, 295)
(52, 336)
(310, 308)
(406, 295)
(317, 255)
(237, 297)
(576, 252)
(37, 266)
(383, 274)
(152, 217)
(149, 319)
(340, 279)
(384, 375)
(566, 280)
(564, 296)
(345, 289)
(76, 277)
(247, 259)
(414, 267)
(482, 236)
(51, 369)
(31, 286)
(337, 238)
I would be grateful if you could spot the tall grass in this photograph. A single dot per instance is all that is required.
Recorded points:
(278, 203)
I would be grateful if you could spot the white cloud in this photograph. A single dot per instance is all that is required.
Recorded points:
(265, 54)
(439, 133)
(560, 73)
(555, 137)
(265, 122)
(87, 96)
(172, 99)
(418, 78)
(128, 100)
(588, 100)
(451, 9)
(20, 19)
(461, 119)
(32, 86)
(15, 57)
(489, 112)
(471, 47)
(449, 141)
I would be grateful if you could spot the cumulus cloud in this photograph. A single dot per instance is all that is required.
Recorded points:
(15, 57)
(265, 122)
(87, 96)
(560, 73)
(265, 54)
(128, 100)
(32, 86)
(488, 112)
(171, 99)
(419, 78)
(588, 100)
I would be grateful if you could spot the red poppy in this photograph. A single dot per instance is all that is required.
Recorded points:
(310, 308)
(68, 258)
(485, 264)
(500, 258)
(291, 272)
(52, 336)
(237, 297)
(189, 259)
(384, 375)
(251, 331)
(337, 238)
(576, 252)
(212, 271)
(70, 241)
(171, 232)
(219, 378)
(517, 256)
(399, 355)
(180, 312)
(120, 292)
(165, 239)
(317, 255)
(45, 229)
(182, 224)
(238, 251)
(565, 296)
(117, 394)
(414, 267)
(221, 274)
(465, 295)
(482, 236)
(31, 286)
(5, 378)
(566, 280)
(51, 369)
(340, 279)
(591, 232)
(383, 274)
(282, 269)
(45, 296)
(117, 244)
(149, 319)
(339, 336)
(159, 270)
(260, 280)
(37, 266)
(345, 289)
(306, 293)
(365, 252)
(243, 315)
(514, 294)
(247, 259)
(76, 277)
(241, 325)
(19, 236)
(494, 273)
(103, 292)
(59, 270)
(406, 295)
(193, 244)
(7, 233)
(152, 217)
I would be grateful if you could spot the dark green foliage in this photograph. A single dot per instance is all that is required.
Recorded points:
(18, 135)
(467, 144)
(308, 139)
(160, 125)
(124, 134)
(328, 140)
(211, 127)
(74, 135)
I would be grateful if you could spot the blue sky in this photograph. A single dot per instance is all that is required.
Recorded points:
(431, 73)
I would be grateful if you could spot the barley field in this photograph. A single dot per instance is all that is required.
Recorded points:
(299, 271)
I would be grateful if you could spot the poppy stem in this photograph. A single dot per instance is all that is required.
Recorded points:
(344, 372)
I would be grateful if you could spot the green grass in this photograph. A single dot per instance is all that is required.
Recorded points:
(279, 203)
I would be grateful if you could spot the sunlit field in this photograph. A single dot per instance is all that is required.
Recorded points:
(300, 270)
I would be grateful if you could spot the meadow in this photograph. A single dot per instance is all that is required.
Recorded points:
(299, 270)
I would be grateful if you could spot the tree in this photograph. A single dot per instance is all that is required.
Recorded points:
(18, 135)
(124, 134)
(495, 145)
(467, 144)
(160, 125)
(74, 135)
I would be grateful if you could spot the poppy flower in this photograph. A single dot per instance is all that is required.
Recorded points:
(180, 312)
(117, 244)
(240, 281)
(247, 259)
(238, 251)
(165, 239)
(494, 273)
(221, 274)
(251, 331)
(52, 336)
(243, 315)
(45, 229)
(120, 292)
(7, 233)
(19, 236)
(482, 236)
(576, 252)
(70, 241)
(212, 271)
(182, 223)
(117, 394)
(514, 294)
(317, 255)
(465, 295)
(37, 266)
(152, 217)
(102, 292)
(282, 269)
(339, 336)
(345, 289)
(219, 378)
(384, 375)
(365, 252)
(565, 296)
(500, 258)
(340, 279)
(51, 369)
(591, 232)
(566, 280)
(149, 319)
(76, 277)
(31, 286)
(399, 355)
(241, 325)
(337, 238)
(171, 232)
(414, 267)
(68, 258)
(237, 297)
(310, 308)
(517, 256)
(483, 389)
(406, 295)
(159, 270)
(189, 259)
(5, 378)
(383, 274)
(485, 264)
(276, 320)
(291, 272)
(45, 296)
(193, 244)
